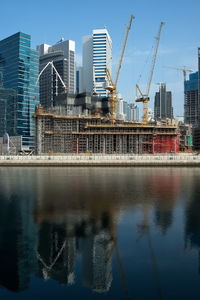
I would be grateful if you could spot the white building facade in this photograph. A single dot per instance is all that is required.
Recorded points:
(97, 56)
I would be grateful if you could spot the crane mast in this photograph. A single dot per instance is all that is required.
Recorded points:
(145, 97)
(112, 87)
(123, 48)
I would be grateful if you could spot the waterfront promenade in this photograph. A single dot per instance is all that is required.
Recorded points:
(101, 160)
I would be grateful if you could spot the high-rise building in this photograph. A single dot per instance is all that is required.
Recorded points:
(7, 111)
(127, 111)
(62, 55)
(97, 56)
(134, 112)
(191, 105)
(79, 79)
(163, 103)
(196, 127)
(199, 86)
(19, 64)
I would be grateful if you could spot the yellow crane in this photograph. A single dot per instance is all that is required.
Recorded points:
(184, 70)
(145, 97)
(112, 85)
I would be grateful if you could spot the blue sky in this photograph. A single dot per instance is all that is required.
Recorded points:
(47, 21)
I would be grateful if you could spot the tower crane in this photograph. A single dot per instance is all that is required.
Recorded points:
(145, 97)
(112, 85)
(184, 70)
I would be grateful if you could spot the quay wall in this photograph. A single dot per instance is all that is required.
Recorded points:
(100, 160)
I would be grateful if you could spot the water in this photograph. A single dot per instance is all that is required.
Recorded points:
(99, 233)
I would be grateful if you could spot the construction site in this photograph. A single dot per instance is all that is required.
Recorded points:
(58, 132)
(95, 134)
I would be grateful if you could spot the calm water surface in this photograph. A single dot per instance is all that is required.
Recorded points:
(100, 233)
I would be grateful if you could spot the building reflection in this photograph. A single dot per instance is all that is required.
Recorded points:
(54, 221)
(166, 188)
(59, 245)
(18, 238)
(192, 220)
(56, 253)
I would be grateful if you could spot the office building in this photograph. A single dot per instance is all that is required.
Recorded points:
(79, 79)
(133, 112)
(163, 103)
(199, 77)
(62, 55)
(19, 65)
(127, 111)
(7, 109)
(97, 56)
(196, 127)
(191, 105)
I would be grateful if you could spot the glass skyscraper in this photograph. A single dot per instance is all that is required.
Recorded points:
(191, 103)
(20, 65)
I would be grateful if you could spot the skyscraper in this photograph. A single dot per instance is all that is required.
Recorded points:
(19, 64)
(191, 105)
(199, 85)
(62, 55)
(163, 103)
(196, 127)
(7, 111)
(97, 56)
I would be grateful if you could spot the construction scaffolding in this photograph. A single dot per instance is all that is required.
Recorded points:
(56, 134)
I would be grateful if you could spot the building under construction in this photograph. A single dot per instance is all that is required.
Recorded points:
(99, 131)
(57, 133)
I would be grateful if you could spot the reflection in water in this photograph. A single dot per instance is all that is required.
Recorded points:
(18, 238)
(167, 188)
(59, 244)
(192, 224)
(53, 218)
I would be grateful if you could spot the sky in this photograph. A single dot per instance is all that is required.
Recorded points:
(49, 20)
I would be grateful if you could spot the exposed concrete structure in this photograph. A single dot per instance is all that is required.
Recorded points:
(58, 133)
(185, 137)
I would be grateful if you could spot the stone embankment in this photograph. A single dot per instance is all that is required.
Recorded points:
(101, 160)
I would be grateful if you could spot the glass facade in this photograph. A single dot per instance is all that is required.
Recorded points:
(102, 51)
(20, 66)
(191, 102)
(7, 111)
